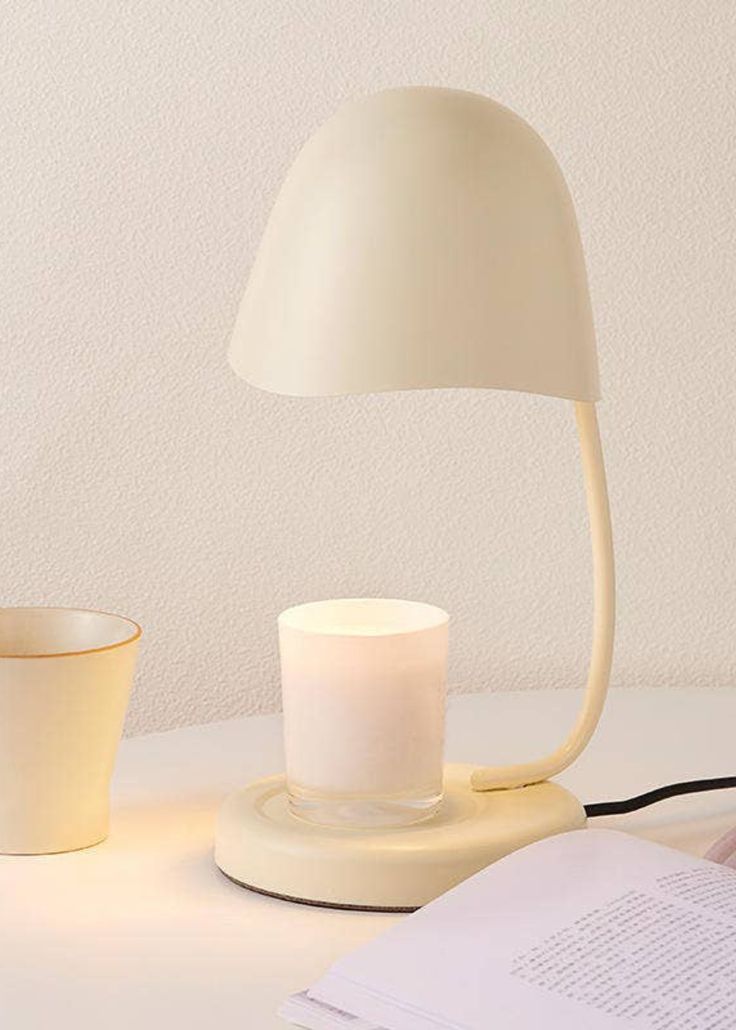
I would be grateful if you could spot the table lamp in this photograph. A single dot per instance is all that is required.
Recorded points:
(424, 238)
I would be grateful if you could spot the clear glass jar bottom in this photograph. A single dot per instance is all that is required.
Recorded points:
(361, 812)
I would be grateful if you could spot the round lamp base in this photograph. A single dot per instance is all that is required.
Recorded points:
(261, 845)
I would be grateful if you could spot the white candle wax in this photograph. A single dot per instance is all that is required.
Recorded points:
(363, 683)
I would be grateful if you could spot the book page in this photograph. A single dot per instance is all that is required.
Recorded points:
(306, 1012)
(590, 929)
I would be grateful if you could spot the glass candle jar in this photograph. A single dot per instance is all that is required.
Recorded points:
(363, 685)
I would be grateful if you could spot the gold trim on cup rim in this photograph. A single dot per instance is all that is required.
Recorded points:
(137, 630)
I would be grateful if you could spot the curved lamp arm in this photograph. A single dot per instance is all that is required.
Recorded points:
(495, 778)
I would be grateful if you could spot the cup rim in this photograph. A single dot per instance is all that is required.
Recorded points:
(137, 631)
(292, 618)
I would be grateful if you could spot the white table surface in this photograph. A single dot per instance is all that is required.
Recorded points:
(142, 931)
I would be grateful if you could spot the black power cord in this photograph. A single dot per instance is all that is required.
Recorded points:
(659, 794)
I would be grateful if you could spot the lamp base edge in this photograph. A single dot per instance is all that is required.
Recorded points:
(262, 846)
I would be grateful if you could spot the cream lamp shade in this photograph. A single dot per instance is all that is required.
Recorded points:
(424, 238)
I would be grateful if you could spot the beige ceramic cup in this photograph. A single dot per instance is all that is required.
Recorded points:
(65, 680)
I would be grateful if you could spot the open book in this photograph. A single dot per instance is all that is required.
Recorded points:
(589, 930)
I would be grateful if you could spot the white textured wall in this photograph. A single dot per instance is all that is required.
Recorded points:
(142, 144)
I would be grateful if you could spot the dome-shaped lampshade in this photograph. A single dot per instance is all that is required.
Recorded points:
(423, 238)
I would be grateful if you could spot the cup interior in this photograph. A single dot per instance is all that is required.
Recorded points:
(363, 616)
(48, 632)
